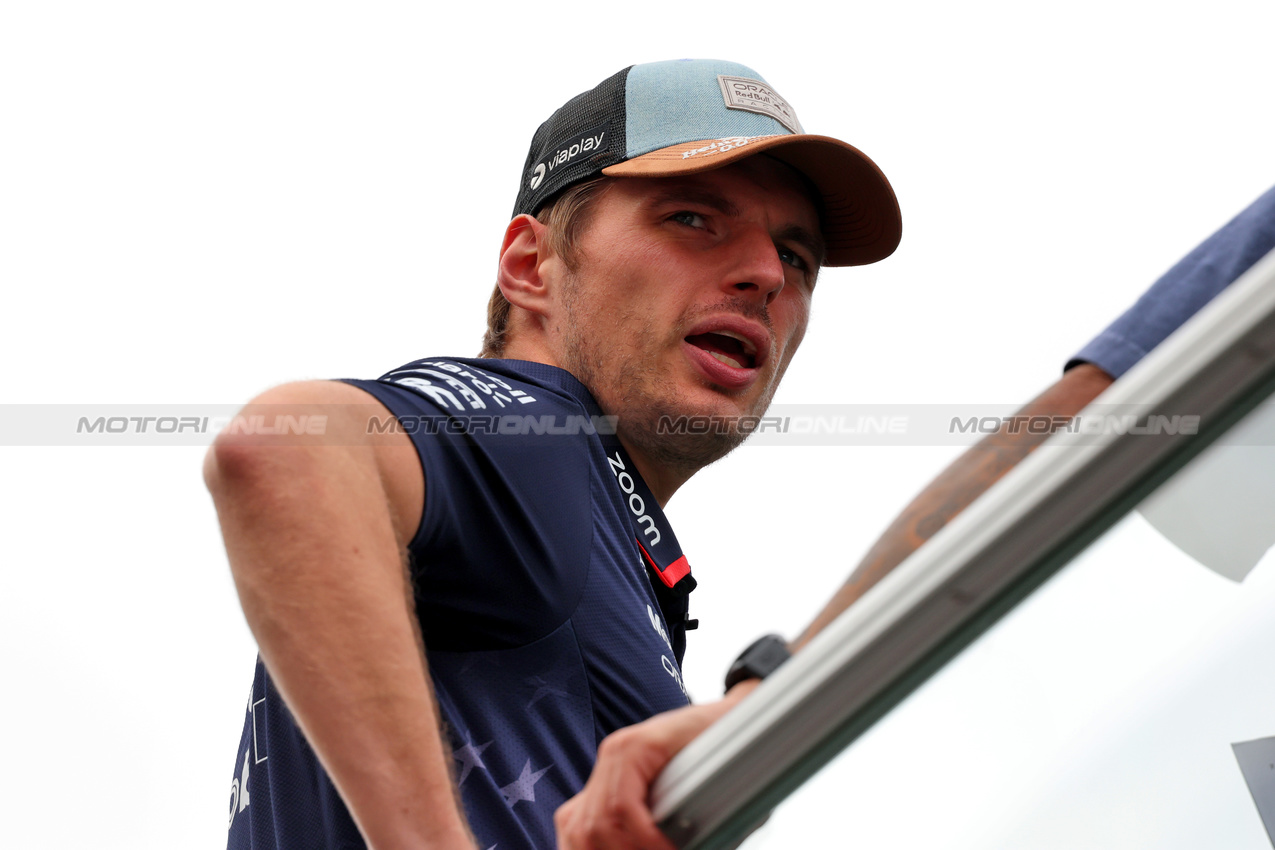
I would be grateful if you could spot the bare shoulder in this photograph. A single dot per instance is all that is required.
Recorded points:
(321, 431)
(316, 392)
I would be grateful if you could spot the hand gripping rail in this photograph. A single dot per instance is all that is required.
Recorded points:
(1219, 365)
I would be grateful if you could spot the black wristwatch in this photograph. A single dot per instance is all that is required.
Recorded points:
(761, 659)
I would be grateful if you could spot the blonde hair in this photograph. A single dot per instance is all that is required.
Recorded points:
(565, 220)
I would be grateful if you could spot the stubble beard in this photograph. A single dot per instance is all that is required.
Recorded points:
(645, 401)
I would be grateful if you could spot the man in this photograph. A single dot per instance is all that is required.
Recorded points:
(490, 585)
(664, 289)
(619, 784)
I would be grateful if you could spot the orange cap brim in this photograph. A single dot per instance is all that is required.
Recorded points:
(861, 219)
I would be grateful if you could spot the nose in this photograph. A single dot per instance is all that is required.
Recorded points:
(756, 269)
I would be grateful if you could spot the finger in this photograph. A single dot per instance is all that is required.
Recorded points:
(630, 763)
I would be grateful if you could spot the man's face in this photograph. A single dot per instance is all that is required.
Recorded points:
(689, 296)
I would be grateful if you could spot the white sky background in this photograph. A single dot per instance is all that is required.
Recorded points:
(200, 201)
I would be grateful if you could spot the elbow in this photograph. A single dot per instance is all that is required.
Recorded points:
(234, 464)
(251, 480)
(257, 491)
(285, 433)
(214, 480)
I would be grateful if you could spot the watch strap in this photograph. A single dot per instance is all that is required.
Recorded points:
(759, 660)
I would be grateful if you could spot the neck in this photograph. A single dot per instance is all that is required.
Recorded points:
(663, 464)
(663, 479)
(526, 347)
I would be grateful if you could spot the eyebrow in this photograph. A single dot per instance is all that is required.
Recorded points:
(812, 242)
(694, 195)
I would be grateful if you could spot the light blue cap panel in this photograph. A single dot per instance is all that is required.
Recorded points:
(681, 101)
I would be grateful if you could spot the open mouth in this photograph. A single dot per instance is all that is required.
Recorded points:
(729, 348)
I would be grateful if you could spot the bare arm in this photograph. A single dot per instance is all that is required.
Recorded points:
(611, 811)
(316, 531)
(957, 486)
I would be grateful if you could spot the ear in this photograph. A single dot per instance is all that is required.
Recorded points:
(522, 254)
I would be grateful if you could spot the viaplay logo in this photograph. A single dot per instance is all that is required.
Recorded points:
(589, 142)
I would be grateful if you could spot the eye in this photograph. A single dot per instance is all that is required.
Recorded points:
(689, 219)
(791, 258)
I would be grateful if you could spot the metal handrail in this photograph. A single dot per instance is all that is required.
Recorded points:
(1219, 365)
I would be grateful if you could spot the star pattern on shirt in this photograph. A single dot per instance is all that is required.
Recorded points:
(523, 788)
(543, 689)
(470, 757)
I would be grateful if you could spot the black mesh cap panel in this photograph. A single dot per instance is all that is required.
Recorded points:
(579, 140)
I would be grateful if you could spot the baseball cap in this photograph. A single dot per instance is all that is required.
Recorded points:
(692, 115)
